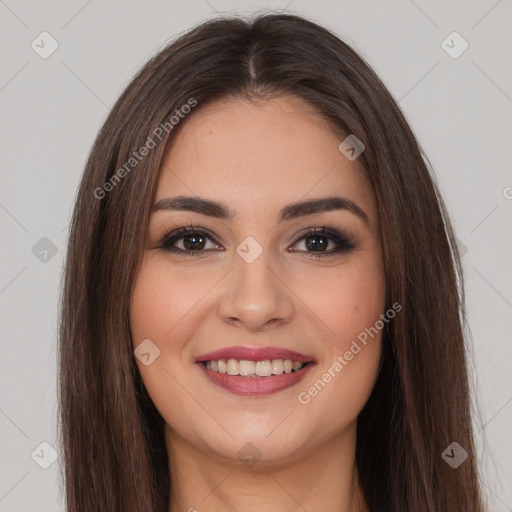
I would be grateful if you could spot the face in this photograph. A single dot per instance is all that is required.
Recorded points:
(258, 282)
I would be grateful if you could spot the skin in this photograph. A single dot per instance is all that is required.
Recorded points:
(257, 158)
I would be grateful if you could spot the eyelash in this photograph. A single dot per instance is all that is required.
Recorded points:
(344, 243)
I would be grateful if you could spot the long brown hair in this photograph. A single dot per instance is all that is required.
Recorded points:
(114, 456)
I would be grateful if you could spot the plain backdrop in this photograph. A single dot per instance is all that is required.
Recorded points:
(459, 106)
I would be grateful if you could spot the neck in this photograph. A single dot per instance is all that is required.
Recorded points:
(323, 478)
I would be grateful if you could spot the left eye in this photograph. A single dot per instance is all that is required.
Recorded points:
(317, 241)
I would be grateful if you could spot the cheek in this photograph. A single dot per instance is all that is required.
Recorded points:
(350, 303)
(164, 310)
(350, 300)
(161, 299)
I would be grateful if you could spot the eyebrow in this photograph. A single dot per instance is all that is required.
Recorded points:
(291, 211)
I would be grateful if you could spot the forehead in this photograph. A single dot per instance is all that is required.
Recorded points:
(274, 152)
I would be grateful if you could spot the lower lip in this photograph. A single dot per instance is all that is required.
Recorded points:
(253, 386)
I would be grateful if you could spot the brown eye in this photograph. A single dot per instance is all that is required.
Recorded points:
(324, 242)
(194, 242)
(189, 240)
(317, 243)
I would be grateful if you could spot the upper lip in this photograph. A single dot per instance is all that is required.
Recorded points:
(254, 354)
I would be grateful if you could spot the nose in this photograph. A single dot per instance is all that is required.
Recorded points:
(256, 295)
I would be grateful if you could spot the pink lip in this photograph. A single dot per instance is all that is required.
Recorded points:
(255, 354)
(252, 386)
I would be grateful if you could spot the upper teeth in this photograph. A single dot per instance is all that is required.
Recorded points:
(254, 368)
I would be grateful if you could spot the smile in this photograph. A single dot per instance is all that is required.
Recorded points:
(255, 371)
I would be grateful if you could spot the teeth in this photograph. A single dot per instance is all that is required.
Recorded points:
(264, 368)
(233, 367)
(254, 369)
(223, 366)
(277, 366)
(246, 367)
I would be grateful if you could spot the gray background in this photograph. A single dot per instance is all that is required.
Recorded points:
(460, 109)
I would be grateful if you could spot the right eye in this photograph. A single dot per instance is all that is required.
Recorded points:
(193, 241)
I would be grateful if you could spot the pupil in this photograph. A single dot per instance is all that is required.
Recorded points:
(317, 244)
(194, 242)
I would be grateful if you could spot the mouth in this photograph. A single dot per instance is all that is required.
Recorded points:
(255, 371)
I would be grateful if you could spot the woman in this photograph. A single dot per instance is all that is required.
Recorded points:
(262, 307)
